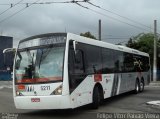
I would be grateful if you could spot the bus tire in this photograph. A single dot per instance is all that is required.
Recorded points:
(101, 97)
(141, 85)
(137, 86)
(96, 98)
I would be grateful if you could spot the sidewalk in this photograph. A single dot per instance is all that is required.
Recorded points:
(5, 84)
(157, 102)
(154, 84)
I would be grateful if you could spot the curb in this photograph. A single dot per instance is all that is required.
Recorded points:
(5, 84)
(154, 84)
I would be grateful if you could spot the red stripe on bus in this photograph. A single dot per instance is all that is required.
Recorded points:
(35, 80)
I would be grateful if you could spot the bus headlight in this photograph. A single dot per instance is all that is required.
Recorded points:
(18, 93)
(57, 91)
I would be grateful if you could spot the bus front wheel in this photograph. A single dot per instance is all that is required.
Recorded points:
(96, 98)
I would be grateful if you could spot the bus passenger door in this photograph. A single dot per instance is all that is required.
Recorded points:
(76, 74)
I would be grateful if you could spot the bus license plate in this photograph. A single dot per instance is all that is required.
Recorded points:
(35, 99)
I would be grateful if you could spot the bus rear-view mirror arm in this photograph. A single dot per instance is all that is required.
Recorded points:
(7, 50)
(74, 46)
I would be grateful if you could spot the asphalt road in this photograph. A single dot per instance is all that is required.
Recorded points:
(123, 105)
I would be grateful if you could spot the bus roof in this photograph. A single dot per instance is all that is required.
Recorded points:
(104, 44)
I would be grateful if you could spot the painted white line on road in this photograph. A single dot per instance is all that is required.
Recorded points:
(157, 103)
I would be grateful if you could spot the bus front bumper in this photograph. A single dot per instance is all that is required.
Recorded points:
(42, 102)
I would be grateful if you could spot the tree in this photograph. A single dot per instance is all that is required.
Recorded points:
(143, 42)
(88, 35)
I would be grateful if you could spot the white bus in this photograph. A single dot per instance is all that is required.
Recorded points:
(64, 70)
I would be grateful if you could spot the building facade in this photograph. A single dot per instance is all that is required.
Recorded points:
(6, 60)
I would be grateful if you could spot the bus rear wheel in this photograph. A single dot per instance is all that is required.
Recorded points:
(141, 85)
(96, 98)
(137, 87)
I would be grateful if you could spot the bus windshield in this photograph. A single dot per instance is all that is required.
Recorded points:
(39, 64)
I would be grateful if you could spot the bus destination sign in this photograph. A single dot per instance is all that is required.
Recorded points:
(42, 41)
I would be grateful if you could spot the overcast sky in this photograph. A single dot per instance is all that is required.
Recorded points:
(39, 19)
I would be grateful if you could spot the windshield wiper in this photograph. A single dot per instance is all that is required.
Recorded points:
(44, 54)
(31, 68)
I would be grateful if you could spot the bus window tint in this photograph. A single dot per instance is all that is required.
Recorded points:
(108, 61)
(75, 67)
(93, 60)
(128, 62)
(113, 61)
(141, 63)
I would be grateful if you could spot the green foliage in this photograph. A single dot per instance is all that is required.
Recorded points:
(88, 35)
(143, 42)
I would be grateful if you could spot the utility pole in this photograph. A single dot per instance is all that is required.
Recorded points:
(155, 52)
(99, 30)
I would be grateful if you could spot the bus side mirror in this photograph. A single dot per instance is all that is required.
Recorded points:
(8, 50)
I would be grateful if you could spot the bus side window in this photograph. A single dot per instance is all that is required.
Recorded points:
(79, 61)
(76, 62)
(128, 62)
(76, 67)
